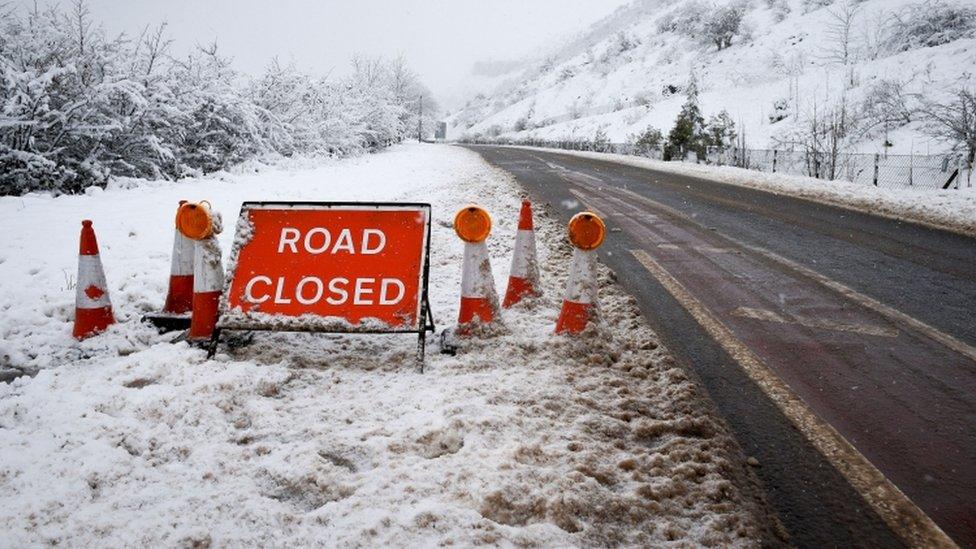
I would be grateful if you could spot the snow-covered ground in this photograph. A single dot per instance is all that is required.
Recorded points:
(523, 438)
(952, 209)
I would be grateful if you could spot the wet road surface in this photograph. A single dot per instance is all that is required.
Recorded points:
(838, 345)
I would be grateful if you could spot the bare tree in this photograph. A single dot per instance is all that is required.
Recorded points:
(840, 33)
(875, 33)
(953, 121)
(825, 137)
(886, 105)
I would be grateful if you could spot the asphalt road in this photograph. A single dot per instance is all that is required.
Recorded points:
(840, 346)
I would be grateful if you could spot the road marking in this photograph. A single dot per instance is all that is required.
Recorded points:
(773, 316)
(713, 250)
(891, 504)
(869, 302)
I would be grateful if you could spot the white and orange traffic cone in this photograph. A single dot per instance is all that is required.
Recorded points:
(479, 302)
(93, 309)
(179, 296)
(198, 222)
(523, 280)
(586, 232)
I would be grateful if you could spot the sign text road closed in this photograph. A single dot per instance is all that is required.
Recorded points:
(328, 267)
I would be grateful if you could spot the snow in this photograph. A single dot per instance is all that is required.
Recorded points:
(951, 209)
(524, 438)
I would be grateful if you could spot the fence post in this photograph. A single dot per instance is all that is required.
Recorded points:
(875, 169)
(775, 154)
(911, 167)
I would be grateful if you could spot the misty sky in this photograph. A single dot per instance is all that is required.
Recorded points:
(441, 39)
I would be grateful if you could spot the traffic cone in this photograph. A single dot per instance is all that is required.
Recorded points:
(208, 283)
(179, 296)
(93, 309)
(199, 223)
(523, 279)
(479, 302)
(586, 232)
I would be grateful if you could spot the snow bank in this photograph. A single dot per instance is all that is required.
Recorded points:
(524, 438)
(951, 209)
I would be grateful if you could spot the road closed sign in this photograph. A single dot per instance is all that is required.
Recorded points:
(335, 267)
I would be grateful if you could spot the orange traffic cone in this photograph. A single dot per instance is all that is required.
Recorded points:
(586, 232)
(479, 302)
(179, 297)
(523, 280)
(93, 310)
(199, 223)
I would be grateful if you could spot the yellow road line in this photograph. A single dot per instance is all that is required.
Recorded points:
(893, 506)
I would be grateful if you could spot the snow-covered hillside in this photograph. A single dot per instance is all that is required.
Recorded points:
(786, 59)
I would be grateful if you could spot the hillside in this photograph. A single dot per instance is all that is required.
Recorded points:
(784, 61)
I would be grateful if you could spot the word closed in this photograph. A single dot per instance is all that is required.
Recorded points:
(298, 265)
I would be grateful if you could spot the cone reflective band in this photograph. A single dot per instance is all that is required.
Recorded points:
(472, 224)
(479, 302)
(523, 279)
(195, 220)
(93, 310)
(586, 232)
(179, 297)
(208, 283)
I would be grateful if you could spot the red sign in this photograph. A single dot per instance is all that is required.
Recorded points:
(328, 267)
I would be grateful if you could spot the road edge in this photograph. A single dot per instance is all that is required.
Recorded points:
(960, 227)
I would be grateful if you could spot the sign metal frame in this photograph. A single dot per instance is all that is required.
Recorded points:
(425, 318)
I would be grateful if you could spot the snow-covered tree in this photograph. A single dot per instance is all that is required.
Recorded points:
(931, 23)
(688, 133)
(720, 130)
(648, 141)
(724, 23)
(77, 106)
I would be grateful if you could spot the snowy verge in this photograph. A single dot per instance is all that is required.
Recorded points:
(951, 210)
(522, 439)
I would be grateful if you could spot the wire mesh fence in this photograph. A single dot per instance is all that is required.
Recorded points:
(940, 171)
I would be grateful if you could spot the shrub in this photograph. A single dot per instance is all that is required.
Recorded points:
(931, 23)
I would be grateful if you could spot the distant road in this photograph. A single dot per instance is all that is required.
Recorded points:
(840, 346)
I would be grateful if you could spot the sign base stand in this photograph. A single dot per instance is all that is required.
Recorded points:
(248, 336)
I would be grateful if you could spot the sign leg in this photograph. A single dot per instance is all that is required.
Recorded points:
(214, 339)
(421, 349)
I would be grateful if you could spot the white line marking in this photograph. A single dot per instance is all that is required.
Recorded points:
(773, 316)
(871, 303)
(891, 504)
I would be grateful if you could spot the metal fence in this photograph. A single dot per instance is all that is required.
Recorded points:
(943, 171)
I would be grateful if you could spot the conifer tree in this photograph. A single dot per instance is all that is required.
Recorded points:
(688, 133)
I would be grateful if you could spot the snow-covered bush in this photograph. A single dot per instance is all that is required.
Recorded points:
(720, 131)
(812, 5)
(648, 141)
(781, 109)
(931, 23)
(77, 107)
(685, 19)
(724, 23)
(886, 106)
